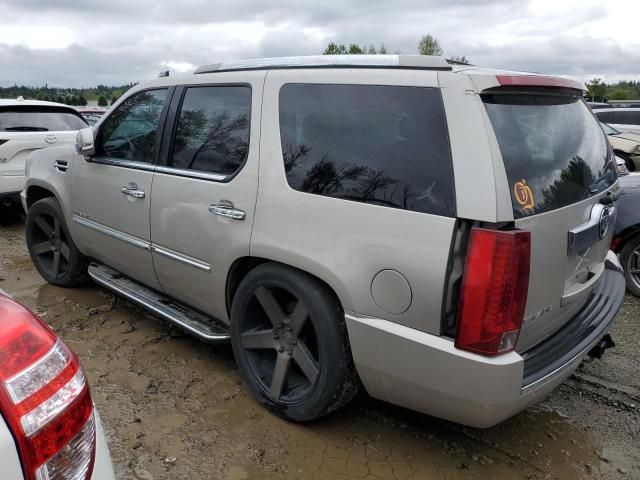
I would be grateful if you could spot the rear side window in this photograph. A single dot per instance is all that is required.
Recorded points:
(40, 119)
(384, 145)
(213, 129)
(554, 151)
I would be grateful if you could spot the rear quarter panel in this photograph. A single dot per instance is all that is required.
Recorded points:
(346, 243)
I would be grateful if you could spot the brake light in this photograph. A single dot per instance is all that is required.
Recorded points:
(494, 291)
(539, 81)
(44, 398)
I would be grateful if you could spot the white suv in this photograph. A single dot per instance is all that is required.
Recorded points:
(25, 126)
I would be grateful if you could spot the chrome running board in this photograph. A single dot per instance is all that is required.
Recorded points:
(195, 323)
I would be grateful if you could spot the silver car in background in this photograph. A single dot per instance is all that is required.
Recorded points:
(436, 234)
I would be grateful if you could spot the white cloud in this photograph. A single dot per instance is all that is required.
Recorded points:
(80, 43)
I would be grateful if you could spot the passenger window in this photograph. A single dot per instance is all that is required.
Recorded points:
(384, 145)
(131, 131)
(212, 135)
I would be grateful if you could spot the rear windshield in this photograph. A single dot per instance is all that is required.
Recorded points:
(555, 152)
(39, 119)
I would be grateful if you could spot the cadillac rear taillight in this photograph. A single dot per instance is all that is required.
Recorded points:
(44, 398)
(494, 291)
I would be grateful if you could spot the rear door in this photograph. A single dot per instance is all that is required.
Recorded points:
(560, 171)
(204, 197)
(110, 194)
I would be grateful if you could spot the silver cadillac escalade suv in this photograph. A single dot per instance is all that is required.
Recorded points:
(438, 235)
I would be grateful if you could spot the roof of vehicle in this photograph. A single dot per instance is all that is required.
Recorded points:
(21, 102)
(412, 62)
(427, 62)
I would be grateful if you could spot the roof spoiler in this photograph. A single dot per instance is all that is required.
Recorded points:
(539, 81)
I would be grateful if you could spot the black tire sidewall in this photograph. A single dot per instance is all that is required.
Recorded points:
(629, 246)
(336, 376)
(77, 267)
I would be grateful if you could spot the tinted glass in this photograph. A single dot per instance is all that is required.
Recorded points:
(38, 119)
(131, 131)
(554, 151)
(383, 145)
(213, 129)
(606, 117)
(627, 118)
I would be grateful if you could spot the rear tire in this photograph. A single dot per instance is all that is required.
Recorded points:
(290, 342)
(630, 260)
(51, 247)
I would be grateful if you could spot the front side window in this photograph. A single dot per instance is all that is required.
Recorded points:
(131, 131)
(212, 134)
(383, 145)
(40, 119)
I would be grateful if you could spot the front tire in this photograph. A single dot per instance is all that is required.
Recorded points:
(290, 342)
(630, 260)
(51, 247)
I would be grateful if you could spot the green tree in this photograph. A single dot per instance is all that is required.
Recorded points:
(102, 101)
(597, 89)
(429, 45)
(82, 101)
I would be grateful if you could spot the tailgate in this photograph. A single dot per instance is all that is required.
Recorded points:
(561, 173)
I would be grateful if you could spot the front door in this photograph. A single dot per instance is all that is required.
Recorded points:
(111, 192)
(204, 197)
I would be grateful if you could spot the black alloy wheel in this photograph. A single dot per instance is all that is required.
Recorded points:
(51, 247)
(290, 342)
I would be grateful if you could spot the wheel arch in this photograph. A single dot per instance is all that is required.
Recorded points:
(38, 192)
(243, 265)
(621, 239)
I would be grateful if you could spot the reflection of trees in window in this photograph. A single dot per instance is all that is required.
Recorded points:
(573, 184)
(324, 178)
(220, 147)
(293, 154)
(130, 131)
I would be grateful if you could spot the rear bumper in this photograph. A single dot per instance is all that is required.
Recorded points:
(428, 374)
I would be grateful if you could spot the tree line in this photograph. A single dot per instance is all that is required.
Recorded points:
(600, 91)
(103, 94)
(428, 45)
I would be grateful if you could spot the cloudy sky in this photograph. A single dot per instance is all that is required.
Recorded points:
(88, 42)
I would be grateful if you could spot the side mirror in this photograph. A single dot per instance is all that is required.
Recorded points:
(84, 143)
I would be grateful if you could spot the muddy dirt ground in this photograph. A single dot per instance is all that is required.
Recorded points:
(175, 408)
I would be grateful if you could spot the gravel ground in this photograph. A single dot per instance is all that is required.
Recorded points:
(175, 408)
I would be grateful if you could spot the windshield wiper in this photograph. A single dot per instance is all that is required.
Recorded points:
(26, 129)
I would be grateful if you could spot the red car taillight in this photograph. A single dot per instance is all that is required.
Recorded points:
(494, 291)
(44, 398)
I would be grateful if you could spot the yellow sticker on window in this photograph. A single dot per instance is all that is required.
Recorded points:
(523, 194)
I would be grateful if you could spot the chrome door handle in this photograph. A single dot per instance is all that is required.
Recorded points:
(132, 192)
(227, 211)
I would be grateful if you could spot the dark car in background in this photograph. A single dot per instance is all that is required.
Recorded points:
(626, 241)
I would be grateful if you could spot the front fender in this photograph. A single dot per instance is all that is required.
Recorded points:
(41, 173)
